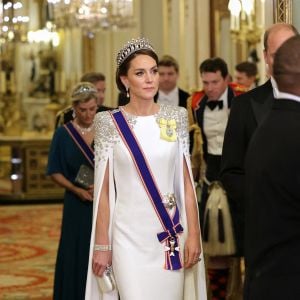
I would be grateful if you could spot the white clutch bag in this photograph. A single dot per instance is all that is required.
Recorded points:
(107, 282)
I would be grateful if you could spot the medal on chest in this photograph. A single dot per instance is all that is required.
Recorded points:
(168, 129)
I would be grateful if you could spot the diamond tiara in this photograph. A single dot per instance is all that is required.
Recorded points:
(131, 47)
(84, 89)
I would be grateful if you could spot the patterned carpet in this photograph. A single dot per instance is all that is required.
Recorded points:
(28, 243)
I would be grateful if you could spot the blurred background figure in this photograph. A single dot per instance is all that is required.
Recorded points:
(98, 80)
(169, 92)
(208, 115)
(247, 113)
(246, 74)
(71, 148)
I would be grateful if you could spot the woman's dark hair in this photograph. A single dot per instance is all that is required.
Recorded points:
(122, 70)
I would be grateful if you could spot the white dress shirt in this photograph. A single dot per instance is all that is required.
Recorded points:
(214, 125)
(275, 88)
(172, 98)
(282, 95)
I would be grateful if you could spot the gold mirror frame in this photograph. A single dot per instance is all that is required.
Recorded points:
(283, 11)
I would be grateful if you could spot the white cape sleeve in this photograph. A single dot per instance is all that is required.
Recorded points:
(195, 277)
(105, 137)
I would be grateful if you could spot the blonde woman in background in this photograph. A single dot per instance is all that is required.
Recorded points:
(71, 148)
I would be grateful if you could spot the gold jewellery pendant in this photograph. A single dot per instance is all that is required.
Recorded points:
(168, 130)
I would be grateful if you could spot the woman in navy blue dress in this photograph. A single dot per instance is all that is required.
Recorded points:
(72, 147)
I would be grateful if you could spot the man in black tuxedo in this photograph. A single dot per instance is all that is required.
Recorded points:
(272, 185)
(208, 114)
(98, 80)
(169, 92)
(247, 112)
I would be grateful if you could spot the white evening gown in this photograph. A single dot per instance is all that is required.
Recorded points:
(138, 256)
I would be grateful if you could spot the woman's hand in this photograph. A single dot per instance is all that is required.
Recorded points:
(192, 250)
(101, 259)
(83, 194)
(91, 190)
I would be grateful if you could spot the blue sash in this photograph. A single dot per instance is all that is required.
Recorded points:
(171, 225)
(86, 150)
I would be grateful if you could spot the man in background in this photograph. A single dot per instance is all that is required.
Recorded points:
(208, 111)
(247, 112)
(245, 74)
(272, 168)
(169, 92)
(98, 80)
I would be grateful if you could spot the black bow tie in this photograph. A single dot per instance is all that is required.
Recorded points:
(212, 104)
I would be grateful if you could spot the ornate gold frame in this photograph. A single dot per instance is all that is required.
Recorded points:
(283, 11)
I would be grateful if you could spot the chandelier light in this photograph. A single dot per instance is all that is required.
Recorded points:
(91, 15)
(13, 20)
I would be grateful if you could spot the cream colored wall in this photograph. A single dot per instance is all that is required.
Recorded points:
(296, 14)
(179, 28)
(264, 20)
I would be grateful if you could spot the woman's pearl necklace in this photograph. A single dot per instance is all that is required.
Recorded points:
(84, 130)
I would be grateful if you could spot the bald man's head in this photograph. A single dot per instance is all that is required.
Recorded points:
(273, 39)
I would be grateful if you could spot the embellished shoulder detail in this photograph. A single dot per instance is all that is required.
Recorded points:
(180, 116)
(106, 134)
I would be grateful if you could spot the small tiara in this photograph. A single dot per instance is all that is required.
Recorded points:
(84, 89)
(131, 47)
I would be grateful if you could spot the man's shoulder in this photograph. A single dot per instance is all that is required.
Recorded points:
(196, 98)
(64, 110)
(103, 108)
(260, 91)
(238, 89)
(63, 116)
(183, 93)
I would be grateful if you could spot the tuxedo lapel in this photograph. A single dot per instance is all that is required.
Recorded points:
(230, 96)
(199, 113)
(183, 96)
(262, 102)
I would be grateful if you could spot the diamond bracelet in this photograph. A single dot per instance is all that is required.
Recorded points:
(102, 247)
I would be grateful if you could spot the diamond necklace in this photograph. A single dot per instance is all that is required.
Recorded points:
(84, 130)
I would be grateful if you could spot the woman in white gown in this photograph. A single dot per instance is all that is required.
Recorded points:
(126, 220)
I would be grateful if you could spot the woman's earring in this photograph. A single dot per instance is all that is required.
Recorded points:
(127, 92)
(73, 113)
